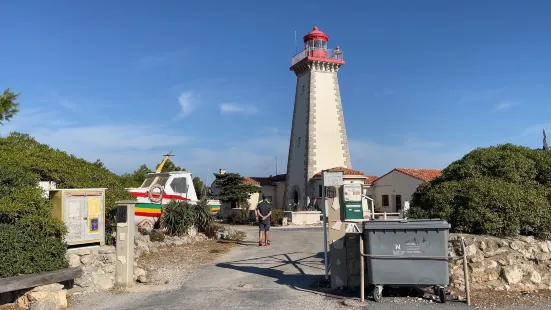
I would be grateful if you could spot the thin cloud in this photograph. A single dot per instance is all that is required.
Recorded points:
(238, 108)
(63, 101)
(504, 106)
(477, 96)
(187, 101)
(153, 61)
(385, 92)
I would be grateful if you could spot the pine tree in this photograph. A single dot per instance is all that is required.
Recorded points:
(232, 188)
(8, 105)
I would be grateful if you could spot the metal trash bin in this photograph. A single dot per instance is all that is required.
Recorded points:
(407, 253)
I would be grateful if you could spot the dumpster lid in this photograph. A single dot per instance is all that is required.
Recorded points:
(406, 224)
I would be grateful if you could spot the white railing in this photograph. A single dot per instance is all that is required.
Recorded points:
(311, 51)
(385, 215)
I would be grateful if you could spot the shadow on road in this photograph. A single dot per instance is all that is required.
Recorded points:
(244, 243)
(295, 273)
(304, 272)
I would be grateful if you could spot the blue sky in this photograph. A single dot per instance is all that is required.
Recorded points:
(126, 81)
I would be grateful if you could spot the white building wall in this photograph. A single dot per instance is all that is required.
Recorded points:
(269, 191)
(392, 184)
(296, 164)
(328, 144)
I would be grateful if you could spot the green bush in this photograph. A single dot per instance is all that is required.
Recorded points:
(239, 216)
(31, 239)
(178, 216)
(277, 216)
(203, 215)
(502, 191)
(27, 249)
(32, 161)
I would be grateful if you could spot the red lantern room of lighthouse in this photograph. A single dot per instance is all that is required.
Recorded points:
(315, 49)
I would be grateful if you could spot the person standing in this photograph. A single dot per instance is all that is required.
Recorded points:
(263, 213)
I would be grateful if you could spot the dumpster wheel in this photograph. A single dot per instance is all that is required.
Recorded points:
(378, 293)
(441, 292)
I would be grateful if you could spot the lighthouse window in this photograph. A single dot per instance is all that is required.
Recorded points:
(318, 44)
(310, 44)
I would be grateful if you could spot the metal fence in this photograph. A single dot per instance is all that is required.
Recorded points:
(315, 51)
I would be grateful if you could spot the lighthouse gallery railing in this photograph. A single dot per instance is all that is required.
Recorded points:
(331, 54)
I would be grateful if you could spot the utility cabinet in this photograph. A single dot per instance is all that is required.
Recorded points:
(353, 209)
(83, 212)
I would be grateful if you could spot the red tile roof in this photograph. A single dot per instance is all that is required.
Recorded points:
(370, 179)
(346, 171)
(426, 175)
(250, 181)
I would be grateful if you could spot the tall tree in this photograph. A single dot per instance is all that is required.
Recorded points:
(98, 163)
(137, 177)
(8, 105)
(199, 187)
(232, 188)
(170, 166)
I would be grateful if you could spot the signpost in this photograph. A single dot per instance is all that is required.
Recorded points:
(334, 178)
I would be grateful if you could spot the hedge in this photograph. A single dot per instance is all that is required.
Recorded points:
(503, 191)
(31, 239)
(36, 161)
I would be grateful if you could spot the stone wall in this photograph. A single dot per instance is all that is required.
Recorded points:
(99, 264)
(512, 264)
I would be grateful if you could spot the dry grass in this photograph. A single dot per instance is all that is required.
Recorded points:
(172, 264)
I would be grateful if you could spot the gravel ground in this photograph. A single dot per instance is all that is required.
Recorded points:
(172, 265)
(284, 275)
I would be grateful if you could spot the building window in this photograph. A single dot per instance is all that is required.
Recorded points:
(161, 181)
(398, 203)
(320, 190)
(178, 185)
(385, 201)
(298, 141)
(303, 86)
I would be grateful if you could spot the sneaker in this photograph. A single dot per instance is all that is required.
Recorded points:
(260, 244)
(268, 242)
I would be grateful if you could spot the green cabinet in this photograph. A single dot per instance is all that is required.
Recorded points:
(353, 211)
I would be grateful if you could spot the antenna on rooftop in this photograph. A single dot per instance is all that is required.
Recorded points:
(296, 47)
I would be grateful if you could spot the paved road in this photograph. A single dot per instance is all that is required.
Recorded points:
(281, 276)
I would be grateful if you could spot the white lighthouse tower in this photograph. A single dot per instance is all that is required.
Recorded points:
(318, 135)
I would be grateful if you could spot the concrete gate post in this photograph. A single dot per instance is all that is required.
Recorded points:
(124, 272)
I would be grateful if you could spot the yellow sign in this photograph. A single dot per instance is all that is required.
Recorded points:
(94, 212)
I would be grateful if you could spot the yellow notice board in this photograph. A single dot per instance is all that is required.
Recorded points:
(94, 212)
